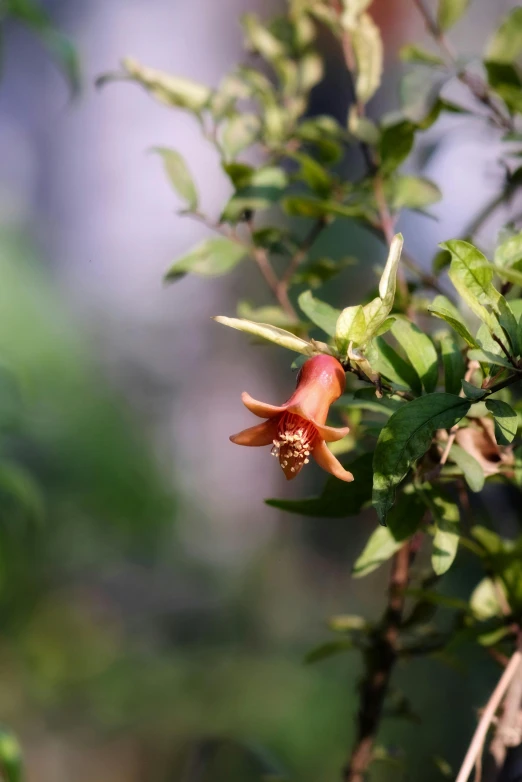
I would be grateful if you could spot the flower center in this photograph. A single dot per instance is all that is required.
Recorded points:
(294, 443)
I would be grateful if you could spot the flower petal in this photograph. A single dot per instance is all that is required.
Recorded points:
(331, 434)
(328, 462)
(261, 434)
(261, 409)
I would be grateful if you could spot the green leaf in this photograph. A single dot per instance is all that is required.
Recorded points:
(471, 469)
(484, 601)
(260, 39)
(384, 542)
(506, 43)
(416, 54)
(264, 187)
(387, 362)
(172, 90)
(240, 132)
(420, 351)
(328, 649)
(395, 144)
(350, 327)
(179, 176)
(506, 420)
(414, 192)
(450, 11)
(362, 128)
(509, 252)
(211, 258)
(323, 315)
(472, 275)
(471, 392)
(406, 437)
(420, 95)
(314, 174)
(388, 280)
(368, 51)
(454, 364)
(510, 275)
(10, 757)
(307, 206)
(338, 499)
(446, 540)
(274, 334)
(441, 307)
(487, 357)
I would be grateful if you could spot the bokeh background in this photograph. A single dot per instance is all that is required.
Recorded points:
(154, 612)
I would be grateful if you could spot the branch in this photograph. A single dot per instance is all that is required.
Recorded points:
(488, 714)
(507, 733)
(379, 666)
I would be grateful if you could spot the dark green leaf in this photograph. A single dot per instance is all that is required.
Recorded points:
(211, 258)
(405, 438)
(420, 351)
(323, 315)
(403, 521)
(471, 392)
(314, 174)
(179, 176)
(471, 469)
(328, 649)
(387, 362)
(338, 499)
(506, 420)
(454, 364)
(395, 144)
(266, 186)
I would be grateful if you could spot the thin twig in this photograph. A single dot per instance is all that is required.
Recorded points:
(488, 714)
(303, 250)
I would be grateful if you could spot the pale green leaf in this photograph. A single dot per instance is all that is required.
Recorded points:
(471, 469)
(260, 39)
(404, 520)
(446, 540)
(388, 280)
(10, 757)
(271, 333)
(472, 275)
(362, 127)
(485, 601)
(506, 420)
(172, 90)
(240, 132)
(414, 192)
(368, 51)
(406, 437)
(211, 258)
(179, 176)
(450, 11)
(416, 54)
(322, 314)
(442, 308)
(350, 327)
(420, 351)
(510, 275)
(506, 43)
(509, 252)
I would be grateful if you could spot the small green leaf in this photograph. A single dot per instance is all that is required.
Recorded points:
(387, 362)
(472, 275)
(471, 469)
(362, 127)
(442, 308)
(420, 351)
(406, 437)
(388, 280)
(454, 364)
(179, 176)
(414, 192)
(416, 54)
(273, 334)
(307, 206)
(446, 541)
(450, 11)
(384, 542)
(328, 649)
(338, 499)
(211, 258)
(323, 315)
(350, 327)
(264, 187)
(484, 601)
(506, 420)
(506, 43)
(314, 174)
(509, 252)
(395, 144)
(10, 757)
(172, 90)
(368, 51)
(510, 275)
(471, 392)
(260, 39)
(240, 132)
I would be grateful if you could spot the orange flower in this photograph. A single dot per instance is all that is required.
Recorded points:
(297, 429)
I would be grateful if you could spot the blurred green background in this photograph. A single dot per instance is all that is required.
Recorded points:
(154, 613)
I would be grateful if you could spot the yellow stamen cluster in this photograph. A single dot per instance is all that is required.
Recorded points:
(294, 442)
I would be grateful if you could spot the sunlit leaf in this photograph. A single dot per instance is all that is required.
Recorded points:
(10, 757)
(211, 258)
(273, 334)
(472, 275)
(414, 192)
(442, 308)
(450, 11)
(172, 90)
(179, 176)
(446, 517)
(322, 314)
(405, 438)
(471, 469)
(506, 43)
(420, 351)
(368, 51)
